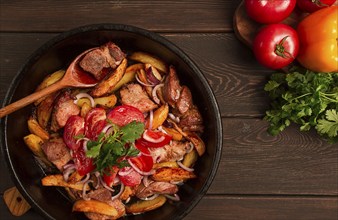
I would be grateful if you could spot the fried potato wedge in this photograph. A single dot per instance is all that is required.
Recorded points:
(177, 136)
(35, 128)
(129, 75)
(96, 207)
(160, 115)
(57, 180)
(106, 85)
(34, 143)
(146, 205)
(127, 193)
(197, 142)
(141, 74)
(106, 101)
(49, 80)
(44, 110)
(85, 109)
(190, 158)
(149, 59)
(74, 177)
(175, 174)
(165, 164)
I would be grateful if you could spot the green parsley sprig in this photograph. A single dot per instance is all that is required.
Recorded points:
(306, 98)
(108, 150)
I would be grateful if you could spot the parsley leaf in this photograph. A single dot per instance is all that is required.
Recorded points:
(109, 150)
(307, 98)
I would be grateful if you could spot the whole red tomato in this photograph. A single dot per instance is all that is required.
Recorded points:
(313, 5)
(269, 11)
(276, 45)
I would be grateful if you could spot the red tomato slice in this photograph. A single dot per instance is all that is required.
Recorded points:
(95, 121)
(133, 178)
(83, 164)
(124, 114)
(74, 127)
(110, 175)
(144, 163)
(156, 135)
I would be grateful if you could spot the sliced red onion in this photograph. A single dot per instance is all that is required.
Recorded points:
(69, 165)
(151, 75)
(146, 181)
(81, 139)
(125, 172)
(116, 181)
(118, 194)
(142, 83)
(151, 119)
(191, 147)
(151, 197)
(84, 191)
(150, 139)
(66, 173)
(175, 197)
(174, 118)
(184, 167)
(128, 200)
(105, 129)
(85, 179)
(154, 93)
(84, 145)
(106, 186)
(85, 95)
(98, 177)
(140, 171)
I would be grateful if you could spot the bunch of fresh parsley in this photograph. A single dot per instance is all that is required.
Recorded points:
(306, 98)
(108, 150)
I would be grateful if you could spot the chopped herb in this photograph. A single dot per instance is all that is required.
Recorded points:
(306, 98)
(108, 150)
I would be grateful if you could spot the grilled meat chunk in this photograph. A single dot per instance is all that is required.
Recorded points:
(101, 194)
(170, 152)
(103, 60)
(192, 120)
(63, 109)
(156, 188)
(57, 152)
(184, 103)
(134, 95)
(171, 88)
(117, 204)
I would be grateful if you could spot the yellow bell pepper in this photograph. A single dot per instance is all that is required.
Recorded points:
(318, 37)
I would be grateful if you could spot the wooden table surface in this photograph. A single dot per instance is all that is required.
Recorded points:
(290, 176)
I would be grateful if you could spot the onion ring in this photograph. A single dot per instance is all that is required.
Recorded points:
(85, 95)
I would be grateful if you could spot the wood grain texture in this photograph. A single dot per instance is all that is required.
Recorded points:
(234, 75)
(162, 15)
(292, 163)
(265, 208)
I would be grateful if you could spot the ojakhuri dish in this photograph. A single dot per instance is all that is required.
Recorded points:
(96, 110)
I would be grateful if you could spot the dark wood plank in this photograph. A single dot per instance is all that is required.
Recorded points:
(242, 207)
(294, 162)
(168, 16)
(276, 208)
(230, 67)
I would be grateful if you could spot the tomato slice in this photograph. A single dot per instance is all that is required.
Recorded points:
(133, 178)
(83, 164)
(155, 135)
(95, 121)
(74, 127)
(109, 175)
(124, 114)
(143, 162)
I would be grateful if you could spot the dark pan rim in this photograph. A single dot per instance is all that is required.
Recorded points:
(113, 27)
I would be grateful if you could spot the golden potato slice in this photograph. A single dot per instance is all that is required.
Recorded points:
(160, 115)
(177, 136)
(34, 143)
(197, 141)
(127, 192)
(129, 75)
(83, 101)
(96, 207)
(57, 180)
(107, 101)
(85, 109)
(149, 59)
(190, 158)
(175, 174)
(165, 164)
(74, 177)
(141, 74)
(35, 128)
(49, 80)
(44, 110)
(146, 205)
(106, 85)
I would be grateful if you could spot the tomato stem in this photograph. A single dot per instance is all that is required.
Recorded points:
(280, 49)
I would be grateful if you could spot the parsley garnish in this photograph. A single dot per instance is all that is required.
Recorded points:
(306, 98)
(108, 150)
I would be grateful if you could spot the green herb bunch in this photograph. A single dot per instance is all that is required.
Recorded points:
(109, 150)
(306, 98)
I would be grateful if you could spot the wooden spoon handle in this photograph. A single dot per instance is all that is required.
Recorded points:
(31, 98)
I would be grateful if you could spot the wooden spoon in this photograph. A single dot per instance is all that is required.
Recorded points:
(74, 77)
